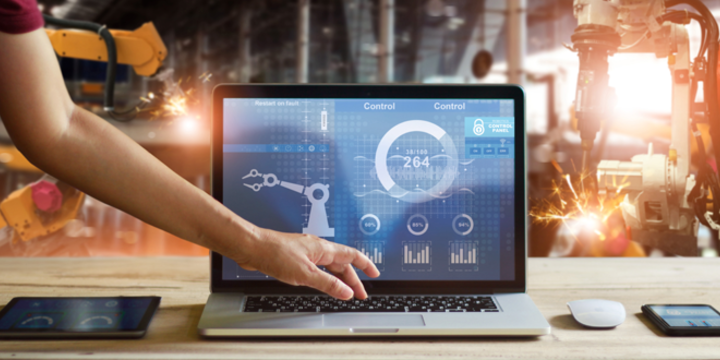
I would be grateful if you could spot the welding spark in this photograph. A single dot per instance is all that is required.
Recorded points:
(148, 99)
(600, 235)
(567, 178)
(567, 205)
(176, 105)
(175, 101)
(205, 77)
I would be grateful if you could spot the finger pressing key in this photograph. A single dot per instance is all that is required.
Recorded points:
(329, 284)
(347, 274)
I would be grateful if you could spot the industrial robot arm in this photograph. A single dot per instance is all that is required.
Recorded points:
(594, 40)
(142, 48)
(657, 186)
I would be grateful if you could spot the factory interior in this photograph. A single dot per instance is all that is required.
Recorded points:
(341, 41)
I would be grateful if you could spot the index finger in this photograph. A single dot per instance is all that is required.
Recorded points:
(346, 255)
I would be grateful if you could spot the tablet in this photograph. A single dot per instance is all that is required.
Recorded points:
(77, 317)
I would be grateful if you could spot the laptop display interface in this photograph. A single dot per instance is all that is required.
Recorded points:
(425, 188)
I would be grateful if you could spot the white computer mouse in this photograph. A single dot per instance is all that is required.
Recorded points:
(599, 314)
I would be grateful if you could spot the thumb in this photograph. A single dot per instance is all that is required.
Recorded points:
(329, 284)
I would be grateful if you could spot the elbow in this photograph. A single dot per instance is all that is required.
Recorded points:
(40, 142)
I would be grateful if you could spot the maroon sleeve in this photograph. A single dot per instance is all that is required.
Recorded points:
(19, 16)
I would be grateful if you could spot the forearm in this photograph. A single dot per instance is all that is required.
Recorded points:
(98, 159)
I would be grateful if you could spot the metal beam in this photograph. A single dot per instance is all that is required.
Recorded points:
(303, 41)
(516, 40)
(244, 59)
(387, 45)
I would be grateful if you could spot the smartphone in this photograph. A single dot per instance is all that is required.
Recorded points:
(77, 317)
(684, 320)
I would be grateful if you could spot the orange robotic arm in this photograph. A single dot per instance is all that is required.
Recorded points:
(142, 48)
(41, 208)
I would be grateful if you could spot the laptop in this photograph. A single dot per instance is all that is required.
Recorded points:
(427, 180)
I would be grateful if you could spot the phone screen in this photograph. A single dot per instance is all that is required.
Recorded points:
(687, 315)
(107, 314)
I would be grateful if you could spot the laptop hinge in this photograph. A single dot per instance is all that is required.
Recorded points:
(418, 291)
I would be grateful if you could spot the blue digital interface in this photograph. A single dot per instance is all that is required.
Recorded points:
(688, 315)
(77, 314)
(423, 187)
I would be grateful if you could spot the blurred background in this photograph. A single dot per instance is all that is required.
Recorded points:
(209, 42)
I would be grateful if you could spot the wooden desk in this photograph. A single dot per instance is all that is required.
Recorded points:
(183, 284)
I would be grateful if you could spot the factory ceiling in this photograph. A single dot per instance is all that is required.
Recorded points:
(432, 37)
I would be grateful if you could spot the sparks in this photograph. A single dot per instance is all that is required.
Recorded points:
(174, 101)
(600, 235)
(566, 204)
(205, 77)
(176, 105)
(567, 178)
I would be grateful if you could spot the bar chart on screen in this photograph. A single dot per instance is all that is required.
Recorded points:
(417, 256)
(463, 256)
(374, 250)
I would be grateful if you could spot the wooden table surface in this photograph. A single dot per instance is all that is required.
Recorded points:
(183, 284)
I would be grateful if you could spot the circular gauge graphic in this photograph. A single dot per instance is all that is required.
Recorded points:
(37, 322)
(97, 320)
(103, 320)
(418, 224)
(417, 161)
(369, 224)
(463, 224)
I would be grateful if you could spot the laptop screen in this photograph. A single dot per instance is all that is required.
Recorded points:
(423, 187)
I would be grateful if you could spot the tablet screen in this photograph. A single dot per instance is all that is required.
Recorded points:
(76, 314)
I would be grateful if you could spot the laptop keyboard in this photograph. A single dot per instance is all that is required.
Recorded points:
(371, 304)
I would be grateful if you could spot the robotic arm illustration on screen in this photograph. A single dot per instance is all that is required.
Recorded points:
(317, 223)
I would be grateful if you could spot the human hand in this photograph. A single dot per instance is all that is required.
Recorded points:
(293, 259)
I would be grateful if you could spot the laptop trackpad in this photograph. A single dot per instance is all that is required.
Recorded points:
(372, 320)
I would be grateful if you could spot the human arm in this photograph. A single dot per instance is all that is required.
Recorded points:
(85, 151)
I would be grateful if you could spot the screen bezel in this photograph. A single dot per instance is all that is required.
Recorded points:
(474, 92)
(658, 319)
(138, 330)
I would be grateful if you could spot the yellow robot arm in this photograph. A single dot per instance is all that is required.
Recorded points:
(142, 48)
(40, 208)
